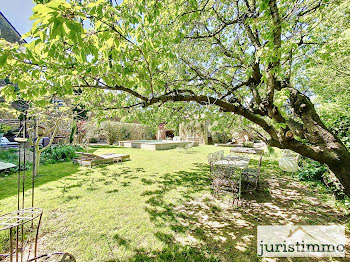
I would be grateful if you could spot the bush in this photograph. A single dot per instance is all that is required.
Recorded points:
(5, 128)
(125, 133)
(58, 153)
(220, 137)
(93, 140)
(270, 151)
(111, 131)
(10, 155)
(248, 144)
(117, 131)
(312, 170)
(72, 133)
(342, 129)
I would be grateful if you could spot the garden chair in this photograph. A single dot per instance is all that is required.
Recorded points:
(289, 161)
(17, 224)
(220, 155)
(213, 157)
(24, 248)
(188, 146)
(250, 177)
(225, 179)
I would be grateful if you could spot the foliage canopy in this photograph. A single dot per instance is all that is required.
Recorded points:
(245, 57)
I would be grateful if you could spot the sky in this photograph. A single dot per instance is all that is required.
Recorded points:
(18, 13)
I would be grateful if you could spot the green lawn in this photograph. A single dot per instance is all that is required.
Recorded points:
(159, 207)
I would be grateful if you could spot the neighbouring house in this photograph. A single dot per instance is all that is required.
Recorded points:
(8, 31)
(10, 34)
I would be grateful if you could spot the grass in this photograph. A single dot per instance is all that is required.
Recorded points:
(159, 207)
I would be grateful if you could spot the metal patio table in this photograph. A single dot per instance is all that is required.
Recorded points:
(231, 164)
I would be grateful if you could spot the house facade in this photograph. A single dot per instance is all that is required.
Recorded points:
(7, 30)
(10, 34)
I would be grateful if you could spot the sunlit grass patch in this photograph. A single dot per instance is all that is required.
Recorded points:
(159, 207)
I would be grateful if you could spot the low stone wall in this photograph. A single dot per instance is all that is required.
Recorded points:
(155, 146)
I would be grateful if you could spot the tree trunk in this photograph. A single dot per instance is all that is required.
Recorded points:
(37, 158)
(334, 154)
(322, 146)
(341, 169)
(310, 138)
(37, 163)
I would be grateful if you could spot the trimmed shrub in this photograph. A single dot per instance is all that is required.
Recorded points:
(220, 137)
(125, 133)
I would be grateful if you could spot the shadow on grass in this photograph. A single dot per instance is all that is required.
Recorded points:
(48, 173)
(204, 228)
(88, 180)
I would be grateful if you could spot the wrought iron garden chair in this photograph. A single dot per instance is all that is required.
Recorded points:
(250, 177)
(213, 157)
(23, 226)
(220, 155)
(289, 161)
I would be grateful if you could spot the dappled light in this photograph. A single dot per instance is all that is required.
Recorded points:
(145, 209)
(192, 130)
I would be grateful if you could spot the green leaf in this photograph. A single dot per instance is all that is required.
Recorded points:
(3, 59)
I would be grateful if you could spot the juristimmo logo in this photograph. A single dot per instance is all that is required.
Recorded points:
(301, 241)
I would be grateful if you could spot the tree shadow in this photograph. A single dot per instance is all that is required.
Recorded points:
(204, 228)
(48, 173)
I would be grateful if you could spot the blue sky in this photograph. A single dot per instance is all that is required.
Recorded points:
(18, 13)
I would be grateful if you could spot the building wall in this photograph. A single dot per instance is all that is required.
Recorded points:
(10, 34)
(194, 134)
(7, 31)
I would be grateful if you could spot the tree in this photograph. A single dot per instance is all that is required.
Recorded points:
(328, 74)
(50, 114)
(51, 133)
(242, 57)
